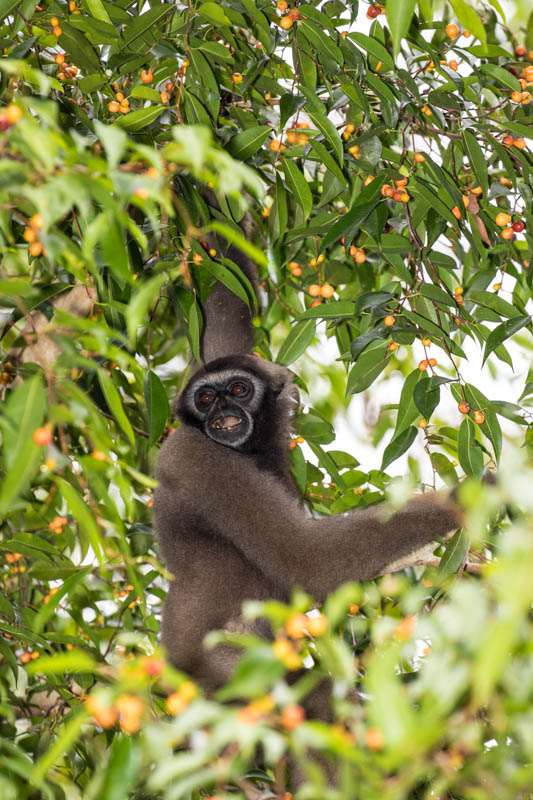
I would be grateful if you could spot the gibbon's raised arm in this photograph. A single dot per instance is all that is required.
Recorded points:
(254, 512)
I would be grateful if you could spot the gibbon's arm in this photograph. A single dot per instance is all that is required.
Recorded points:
(258, 515)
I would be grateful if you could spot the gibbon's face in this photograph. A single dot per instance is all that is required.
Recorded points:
(223, 404)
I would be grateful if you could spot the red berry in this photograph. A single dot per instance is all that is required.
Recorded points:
(372, 12)
(518, 226)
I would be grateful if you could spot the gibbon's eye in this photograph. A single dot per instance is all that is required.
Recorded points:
(205, 398)
(239, 390)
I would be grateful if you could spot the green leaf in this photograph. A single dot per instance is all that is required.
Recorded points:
(503, 332)
(66, 736)
(289, 104)
(214, 13)
(399, 16)
(114, 402)
(234, 237)
(374, 47)
(79, 48)
(493, 301)
(469, 18)
(327, 159)
(14, 287)
(368, 366)
(298, 340)
(407, 411)
(338, 309)
(139, 27)
(477, 160)
(137, 310)
(157, 408)
(75, 661)
(454, 556)
(121, 770)
(469, 452)
(135, 121)
(365, 203)
(398, 446)
(245, 144)
(444, 469)
(328, 129)
(501, 75)
(491, 427)
(426, 397)
(298, 185)
(98, 10)
(320, 41)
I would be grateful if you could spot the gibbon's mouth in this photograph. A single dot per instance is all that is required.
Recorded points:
(226, 423)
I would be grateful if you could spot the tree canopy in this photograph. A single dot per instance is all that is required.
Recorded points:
(389, 177)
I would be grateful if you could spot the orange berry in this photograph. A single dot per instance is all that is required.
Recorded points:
(327, 291)
(520, 143)
(165, 97)
(476, 190)
(397, 195)
(316, 303)
(453, 64)
(296, 624)
(42, 436)
(275, 145)
(374, 739)
(520, 50)
(516, 97)
(314, 290)
(496, 287)
(452, 31)
(353, 609)
(423, 365)
(404, 197)
(432, 362)
(317, 626)
(422, 423)
(98, 455)
(35, 655)
(502, 219)
(466, 200)
(526, 98)
(113, 107)
(25, 658)
(360, 257)
(59, 59)
(463, 407)
(57, 31)
(286, 23)
(37, 221)
(389, 320)
(294, 14)
(419, 158)
(507, 233)
(147, 75)
(405, 628)
(54, 21)
(237, 77)
(392, 346)
(369, 179)
(29, 235)
(141, 193)
(479, 417)
(301, 140)
(458, 290)
(387, 190)
(292, 716)
(508, 140)
(426, 341)
(456, 212)
(282, 5)
(12, 114)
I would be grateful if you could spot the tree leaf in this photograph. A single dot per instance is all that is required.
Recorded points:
(114, 402)
(374, 47)
(245, 144)
(501, 75)
(214, 13)
(491, 427)
(398, 446)
(426, 397)
(469, 18)
(503, 332)
(135, 121)
(328, 129)
(477, 160)
(289, 104)
(368, 366)
(298, 340)
(468, 450)
(454, 556)
(298, 185)
(360, 210)
(320, 41)
(157, 408)
(337, 309)
(407, 410)
(399, 16)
